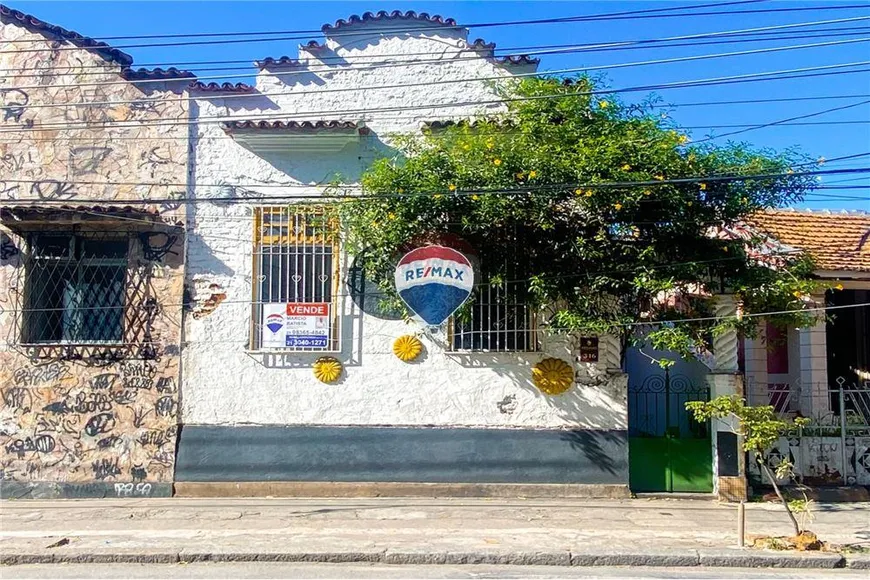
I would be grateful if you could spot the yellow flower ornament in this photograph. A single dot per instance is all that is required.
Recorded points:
(327, 369)
(553, 376)
(407, 347)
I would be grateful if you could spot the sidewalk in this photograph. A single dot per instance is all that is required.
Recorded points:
(657, 532)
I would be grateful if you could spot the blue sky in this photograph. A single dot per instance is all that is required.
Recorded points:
(102, 19)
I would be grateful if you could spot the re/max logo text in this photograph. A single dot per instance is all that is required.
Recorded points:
(434, 272)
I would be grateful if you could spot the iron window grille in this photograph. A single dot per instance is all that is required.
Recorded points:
(500, 319)
(296, 261)
(75, 288)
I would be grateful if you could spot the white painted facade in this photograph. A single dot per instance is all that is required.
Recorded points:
(224, 383)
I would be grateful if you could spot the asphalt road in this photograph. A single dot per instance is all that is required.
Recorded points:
(365, 571)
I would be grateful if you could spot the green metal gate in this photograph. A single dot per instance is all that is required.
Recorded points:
(668, 449)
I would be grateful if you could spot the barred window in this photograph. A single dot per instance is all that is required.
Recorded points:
(296, 275)
(74, 288)
(500, 319)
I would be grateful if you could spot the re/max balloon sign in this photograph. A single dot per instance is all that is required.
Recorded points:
(434, 281)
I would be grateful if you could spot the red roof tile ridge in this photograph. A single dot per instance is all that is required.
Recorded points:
(101, 49)
(383, 15)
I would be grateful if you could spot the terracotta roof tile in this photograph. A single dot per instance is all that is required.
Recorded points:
(390, 16)
(289, 125)
(156, 74)
(34, 24)
(221, 88)
(836, 241)
(102, 49)
(280, 61)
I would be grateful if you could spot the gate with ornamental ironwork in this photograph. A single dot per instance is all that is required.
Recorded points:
(668, 450)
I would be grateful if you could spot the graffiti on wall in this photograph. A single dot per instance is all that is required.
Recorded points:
(64, 422)
(92, 414)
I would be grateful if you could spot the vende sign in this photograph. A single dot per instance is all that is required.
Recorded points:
(308, 309)
(296, 325)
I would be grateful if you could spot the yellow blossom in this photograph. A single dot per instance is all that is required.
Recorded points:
(692, 157)
(533, 174)
(490, 144)
(475, 197)
(703, 187)
(689, 204)
(589, 193)
(617, 206)
(626, 167)
(684, 139)
(745, 200)
(603, 104)
(660, 177)
(391, 216)
(520, 175)
(839, 286)
(437, 196)
(497, 162)
(451, 187)
(797, 294)
(578, 192)
(646, 192)
(466, 146)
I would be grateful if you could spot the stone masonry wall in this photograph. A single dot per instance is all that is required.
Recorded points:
(91, 420)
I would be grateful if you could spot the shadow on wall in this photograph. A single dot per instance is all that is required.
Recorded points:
(299, 77)
(446, 36)
(206, 261)
(249, 102)
(591, 445)
(315, 168)
(597, 403)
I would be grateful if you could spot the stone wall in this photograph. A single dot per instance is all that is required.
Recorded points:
(95, 419)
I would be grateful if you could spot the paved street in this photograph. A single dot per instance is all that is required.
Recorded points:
(339, 571)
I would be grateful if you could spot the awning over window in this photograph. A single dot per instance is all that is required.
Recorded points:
(294, 136)
(25, 216)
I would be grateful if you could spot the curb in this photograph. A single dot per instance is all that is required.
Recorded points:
(688, 558)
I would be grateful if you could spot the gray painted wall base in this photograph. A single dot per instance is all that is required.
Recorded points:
(95, 489)
(335, 489)
(393, 454)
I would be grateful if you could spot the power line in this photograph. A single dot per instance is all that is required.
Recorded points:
(421, 28)
(474, 55)
(309, 70)
(375, 32)
(592, 47)
(744, 78)
(784, 121)
(394, 118)
(326, 195)
(506, 135)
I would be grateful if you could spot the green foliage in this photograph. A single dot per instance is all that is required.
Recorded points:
(760, 426)
(603, 254)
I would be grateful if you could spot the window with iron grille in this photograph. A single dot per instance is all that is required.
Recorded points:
(75, 288)
(501, 316)
(500, 319)
(295, 279)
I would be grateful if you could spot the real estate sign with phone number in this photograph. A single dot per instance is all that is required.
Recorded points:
(296, 324)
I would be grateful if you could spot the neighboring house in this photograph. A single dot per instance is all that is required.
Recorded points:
(91, 280)
(256, 420)
(821, 372)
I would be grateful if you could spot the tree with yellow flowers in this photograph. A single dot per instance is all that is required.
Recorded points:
(611, 207)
